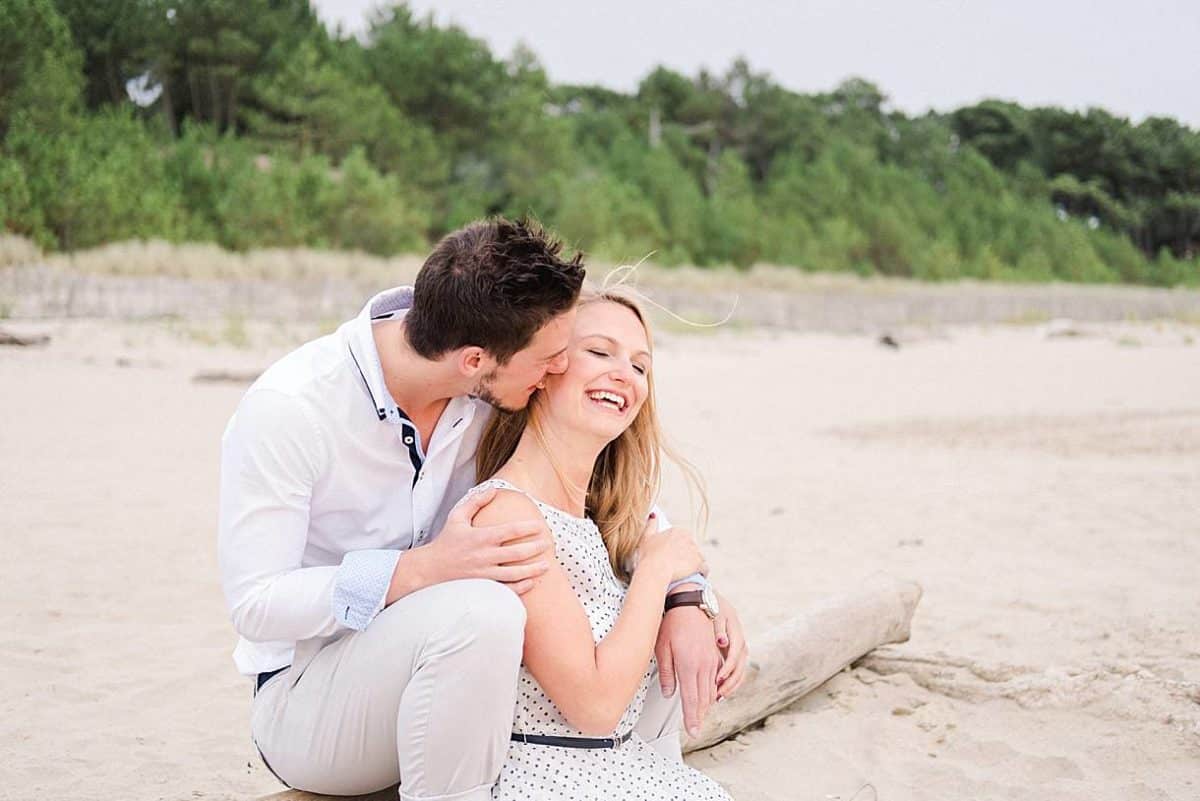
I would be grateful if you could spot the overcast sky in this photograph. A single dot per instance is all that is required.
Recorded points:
(1133, 58)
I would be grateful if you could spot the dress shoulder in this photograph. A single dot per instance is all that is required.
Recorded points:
(497, 483)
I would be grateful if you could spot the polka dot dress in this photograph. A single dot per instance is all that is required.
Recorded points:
(632, 772)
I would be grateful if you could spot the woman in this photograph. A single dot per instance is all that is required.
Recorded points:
(585, 456)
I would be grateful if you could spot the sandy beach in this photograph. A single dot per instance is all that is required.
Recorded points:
(1045, 491)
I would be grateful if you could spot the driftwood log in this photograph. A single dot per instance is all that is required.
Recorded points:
(9, 338)
(790, 661)
(246, 377)
(796, 657)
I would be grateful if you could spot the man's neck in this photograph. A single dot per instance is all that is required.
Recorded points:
(419, 386)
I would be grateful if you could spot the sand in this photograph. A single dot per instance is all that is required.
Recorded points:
(1044, 491)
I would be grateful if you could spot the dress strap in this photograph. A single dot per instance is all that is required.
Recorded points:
(499, 483)
(544, 508)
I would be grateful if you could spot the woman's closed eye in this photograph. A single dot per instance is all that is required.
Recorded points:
(641, 369)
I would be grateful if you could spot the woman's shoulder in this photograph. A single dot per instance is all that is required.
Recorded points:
(511, 503)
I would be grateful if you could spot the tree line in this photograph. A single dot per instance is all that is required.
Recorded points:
(248, 123)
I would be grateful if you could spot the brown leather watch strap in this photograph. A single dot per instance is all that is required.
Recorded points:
(686, 598)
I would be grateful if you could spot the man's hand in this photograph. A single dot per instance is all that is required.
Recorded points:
(687, 648)
(732, 643)
(514, 553)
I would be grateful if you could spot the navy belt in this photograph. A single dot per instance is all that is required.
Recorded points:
(573, 742)
(263, 678)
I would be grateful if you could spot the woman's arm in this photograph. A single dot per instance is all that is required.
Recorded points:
(591, 684)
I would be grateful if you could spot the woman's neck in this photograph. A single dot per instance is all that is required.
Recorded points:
(555, 469)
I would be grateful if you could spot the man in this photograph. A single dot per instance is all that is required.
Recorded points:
(383, 629)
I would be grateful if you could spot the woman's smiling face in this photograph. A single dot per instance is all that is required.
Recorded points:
(607, 376)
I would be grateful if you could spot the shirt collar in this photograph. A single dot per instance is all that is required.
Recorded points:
(391, 304)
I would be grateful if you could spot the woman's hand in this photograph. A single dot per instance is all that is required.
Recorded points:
(732, 643)
(674, 551)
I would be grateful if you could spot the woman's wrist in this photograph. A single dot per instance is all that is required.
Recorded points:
(696, 581)
(655, 572)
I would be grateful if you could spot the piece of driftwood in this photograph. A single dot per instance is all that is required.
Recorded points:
(796, 657)
(9, 338)
(389, 794)
(226, 376)
(790, 661)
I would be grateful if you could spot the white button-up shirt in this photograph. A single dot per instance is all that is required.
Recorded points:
(324, 482)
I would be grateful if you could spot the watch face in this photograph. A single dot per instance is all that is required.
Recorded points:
(709, 596)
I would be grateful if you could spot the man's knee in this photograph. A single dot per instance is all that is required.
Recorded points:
(492, 612)
(464, 612)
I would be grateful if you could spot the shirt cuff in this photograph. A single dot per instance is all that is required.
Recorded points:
(360, 586)
(695, 578)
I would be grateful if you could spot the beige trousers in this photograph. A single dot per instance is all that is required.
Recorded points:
(423, 697)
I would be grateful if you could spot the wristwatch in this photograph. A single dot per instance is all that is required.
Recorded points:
(706, 599)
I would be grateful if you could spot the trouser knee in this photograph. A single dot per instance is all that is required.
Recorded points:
(492, 616)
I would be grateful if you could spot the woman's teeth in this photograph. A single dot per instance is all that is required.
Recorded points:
(611, 398)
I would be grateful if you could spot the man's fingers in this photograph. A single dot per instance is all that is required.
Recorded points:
(691, 705)
(518, 529)
(708, 691)
(523, 586)
(713, 687)
(666, 671)
(515, 552)
(510, 574)
(471, 506)
(704, 692)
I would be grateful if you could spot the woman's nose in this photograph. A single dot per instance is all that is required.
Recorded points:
(623, 373)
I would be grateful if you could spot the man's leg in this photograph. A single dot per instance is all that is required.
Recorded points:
(661, 721)
(424, 696)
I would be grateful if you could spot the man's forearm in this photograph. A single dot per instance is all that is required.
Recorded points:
(293, 605)
(361, 586)
(415, 571)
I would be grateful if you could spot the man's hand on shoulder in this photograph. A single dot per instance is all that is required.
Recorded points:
(514, 553)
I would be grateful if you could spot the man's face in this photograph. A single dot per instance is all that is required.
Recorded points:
(510, 386)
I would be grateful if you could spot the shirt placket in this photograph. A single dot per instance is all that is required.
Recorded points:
(429, 479)
(411, 440)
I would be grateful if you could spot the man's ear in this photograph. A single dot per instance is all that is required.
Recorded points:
(474, 361)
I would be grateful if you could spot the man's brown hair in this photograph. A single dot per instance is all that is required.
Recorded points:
(492, 284)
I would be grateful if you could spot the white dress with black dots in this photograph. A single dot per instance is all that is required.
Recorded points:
(632, 772)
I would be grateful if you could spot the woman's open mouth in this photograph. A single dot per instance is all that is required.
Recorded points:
(610, 401)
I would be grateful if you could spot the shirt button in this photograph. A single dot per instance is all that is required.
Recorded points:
(408, 440)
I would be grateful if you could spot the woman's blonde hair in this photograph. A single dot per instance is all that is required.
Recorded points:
(626, 479)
